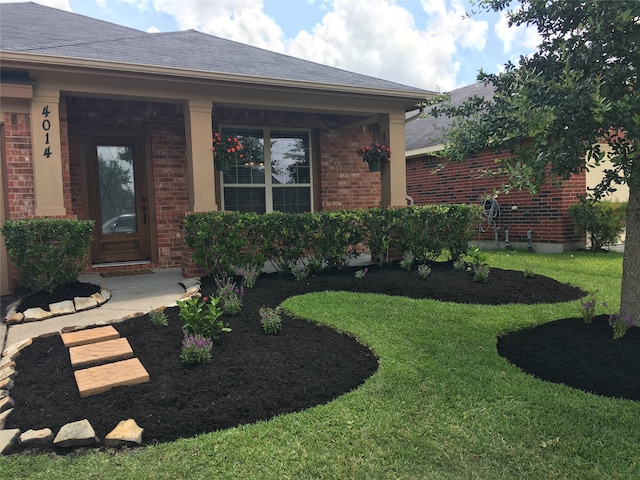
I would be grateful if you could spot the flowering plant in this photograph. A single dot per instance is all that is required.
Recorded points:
(230, 295)
(588, 307)
(375, 153)
(196, 349)
(226, 148)
(271, 320)
(620, 323)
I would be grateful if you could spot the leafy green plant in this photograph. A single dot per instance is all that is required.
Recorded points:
(201, 316)
(620, 324)
(299, 271)
(407, 260)
(360, 274)
(196, 349)
(271, 320)
(528, 270)
(424, 271)
(588, 307)
(601, 222)
(158, 318)
(459, 265)
(230, 295)
(217, 239)
(480, 273)
(249, 275)
(335, 237)
(47, 252)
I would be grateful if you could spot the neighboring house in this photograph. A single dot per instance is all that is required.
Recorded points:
(539, 222)
(86, 103)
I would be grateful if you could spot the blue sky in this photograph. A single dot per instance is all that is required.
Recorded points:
(421, 43)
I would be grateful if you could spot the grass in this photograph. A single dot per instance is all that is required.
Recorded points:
(443, 404)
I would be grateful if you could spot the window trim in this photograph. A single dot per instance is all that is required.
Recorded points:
(268, 178)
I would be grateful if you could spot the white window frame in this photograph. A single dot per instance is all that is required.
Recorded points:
(268, 178)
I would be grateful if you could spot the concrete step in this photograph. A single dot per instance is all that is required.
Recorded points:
(95, 380)
(92, 335)
(100, 352)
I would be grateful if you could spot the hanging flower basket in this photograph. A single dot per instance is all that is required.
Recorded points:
(375, 166)
(375, 155)
(226, 151)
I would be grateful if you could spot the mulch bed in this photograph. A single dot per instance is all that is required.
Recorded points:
(256, 377)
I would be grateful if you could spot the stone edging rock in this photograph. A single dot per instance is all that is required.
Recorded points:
(72, 434)
(66, 307)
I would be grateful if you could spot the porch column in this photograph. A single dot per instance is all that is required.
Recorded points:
(202, 190)
(47, 156)
(393, 177)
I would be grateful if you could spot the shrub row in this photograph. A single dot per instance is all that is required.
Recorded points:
(222, 241)
(601, 222)
(47, 252)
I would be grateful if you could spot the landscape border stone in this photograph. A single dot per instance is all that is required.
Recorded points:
(57, 309)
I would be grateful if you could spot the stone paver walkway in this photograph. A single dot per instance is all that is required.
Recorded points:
(102, 346)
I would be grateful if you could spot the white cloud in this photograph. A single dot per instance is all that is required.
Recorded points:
(380, 38)
(240, 20)
(373, 37)
(520, 37)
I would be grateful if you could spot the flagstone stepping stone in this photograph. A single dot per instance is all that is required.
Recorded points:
(92, 335)
(95, 380)
(100, 352)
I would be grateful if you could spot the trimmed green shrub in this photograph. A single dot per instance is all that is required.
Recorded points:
(299, 243)
(47, 252)
(217, 239)
(601, 222)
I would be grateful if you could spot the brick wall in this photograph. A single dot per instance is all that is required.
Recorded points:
(19, 165)
(345, 180)
(544, 213)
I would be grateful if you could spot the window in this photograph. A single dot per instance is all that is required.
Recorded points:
(266, 179)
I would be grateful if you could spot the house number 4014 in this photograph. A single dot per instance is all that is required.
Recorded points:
(46, 126)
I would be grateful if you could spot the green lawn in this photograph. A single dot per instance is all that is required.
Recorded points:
(442, 405)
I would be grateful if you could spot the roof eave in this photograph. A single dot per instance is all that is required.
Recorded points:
(422, 151)
(410, 97)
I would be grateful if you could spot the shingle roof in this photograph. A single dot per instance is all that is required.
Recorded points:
(423, 131)
(33, 28)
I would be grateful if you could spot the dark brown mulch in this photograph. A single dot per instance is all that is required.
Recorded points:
(581, 356)
(43, 299)
(253, 376)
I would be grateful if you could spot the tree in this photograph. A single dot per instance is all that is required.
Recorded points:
(553, 110)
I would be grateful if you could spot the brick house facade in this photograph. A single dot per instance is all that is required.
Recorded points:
(112, 102)
(539, 222)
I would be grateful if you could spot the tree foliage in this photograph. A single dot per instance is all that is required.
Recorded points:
(556, 108)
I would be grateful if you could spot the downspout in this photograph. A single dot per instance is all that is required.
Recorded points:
(409, 200)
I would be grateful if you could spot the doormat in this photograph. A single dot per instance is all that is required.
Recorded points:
(126, 273)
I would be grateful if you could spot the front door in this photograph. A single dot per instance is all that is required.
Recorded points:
(119, 200)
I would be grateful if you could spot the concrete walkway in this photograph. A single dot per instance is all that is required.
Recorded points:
(129, 295)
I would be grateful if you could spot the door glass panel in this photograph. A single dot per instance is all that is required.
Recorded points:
(117, 190)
